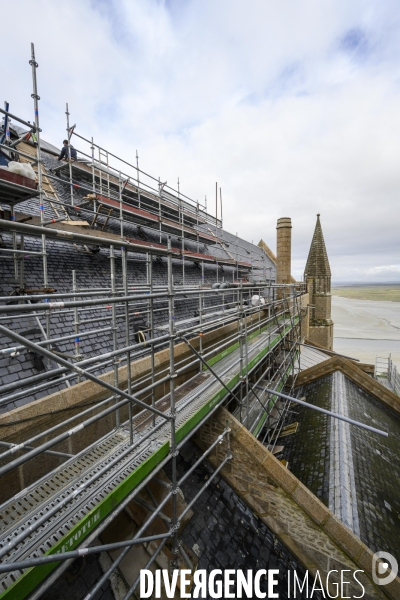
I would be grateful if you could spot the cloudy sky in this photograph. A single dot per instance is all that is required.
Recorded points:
(293, 106)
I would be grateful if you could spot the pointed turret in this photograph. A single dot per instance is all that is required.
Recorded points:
(317, 276)
(317, 262)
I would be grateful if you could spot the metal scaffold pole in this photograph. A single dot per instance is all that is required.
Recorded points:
(124, 257)
(241, 351)
(76, 322)
(200, 329)
(246, 356)
(216, 206)
(220, 197)
(93, 177)
(138, 182)
(151, 327)
(114, 329)
(160, 186)
(121, 216)
(36, 99)
(173, 450)
(69, 134)
(182, 233)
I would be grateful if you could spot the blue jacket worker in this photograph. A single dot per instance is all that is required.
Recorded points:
(64, 154)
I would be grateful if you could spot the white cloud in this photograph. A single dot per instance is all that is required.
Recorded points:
(291, 107)
(385, 269)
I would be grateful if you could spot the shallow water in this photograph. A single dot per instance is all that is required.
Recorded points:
(366, 328)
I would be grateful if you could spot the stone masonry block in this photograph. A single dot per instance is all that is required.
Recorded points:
(259, 452)
(240, 486)
(261, 507)
(350, 543)
(365, 559)
(233, 424)
(393, 589)
(243, 437)
(280, 474)
(311, 504)
(251, 445)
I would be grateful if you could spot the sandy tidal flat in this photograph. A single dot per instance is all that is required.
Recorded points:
(369, 292)
(366, 328)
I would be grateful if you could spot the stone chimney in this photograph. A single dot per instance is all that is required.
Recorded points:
(283, 250)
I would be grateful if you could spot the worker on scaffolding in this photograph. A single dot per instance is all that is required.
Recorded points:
(67, 151)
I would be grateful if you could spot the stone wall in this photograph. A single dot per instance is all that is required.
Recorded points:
(322, 303)
(319, 284)
(303, 523)
(322, 334)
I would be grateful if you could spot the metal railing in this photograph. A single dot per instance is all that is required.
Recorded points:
(386, 370)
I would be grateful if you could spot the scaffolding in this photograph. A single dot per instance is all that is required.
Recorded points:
(161, 426)
(239, 348)
(153, 415)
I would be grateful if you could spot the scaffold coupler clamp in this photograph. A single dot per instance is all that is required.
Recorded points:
(175, 528)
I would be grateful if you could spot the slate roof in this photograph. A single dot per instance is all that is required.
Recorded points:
(312, 454)
(226, 534)
(223, 533)
(236, 248)
(92, 271)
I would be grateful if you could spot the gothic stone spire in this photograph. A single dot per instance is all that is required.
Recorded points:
(317, 262)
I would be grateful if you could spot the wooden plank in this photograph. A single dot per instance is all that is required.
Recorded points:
(289, 429)
(75, 223)
(47, 186)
